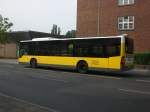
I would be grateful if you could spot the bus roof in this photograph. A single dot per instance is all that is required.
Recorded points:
(57, 39)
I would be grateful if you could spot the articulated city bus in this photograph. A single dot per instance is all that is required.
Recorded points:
(83, 54)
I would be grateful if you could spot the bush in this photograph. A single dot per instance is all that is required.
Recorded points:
(142, 58)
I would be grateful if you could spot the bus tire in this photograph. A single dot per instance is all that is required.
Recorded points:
(82, 67)
(33, 63)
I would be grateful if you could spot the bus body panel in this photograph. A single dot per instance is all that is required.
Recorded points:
(114, 62)
(72, 61)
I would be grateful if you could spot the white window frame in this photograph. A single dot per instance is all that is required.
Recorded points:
(125, 2)
(126, 23)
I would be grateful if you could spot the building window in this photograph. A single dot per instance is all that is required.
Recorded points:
(125, 2)
(126, 23)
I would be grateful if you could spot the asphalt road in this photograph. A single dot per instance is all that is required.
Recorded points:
(68, 91)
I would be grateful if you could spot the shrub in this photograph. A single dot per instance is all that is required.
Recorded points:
(142, 58)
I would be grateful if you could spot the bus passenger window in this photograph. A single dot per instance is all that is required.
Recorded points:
(113, 50)
(70, 49)
(98, 51)
(63, 50)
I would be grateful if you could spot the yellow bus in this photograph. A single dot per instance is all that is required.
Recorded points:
(82, 54)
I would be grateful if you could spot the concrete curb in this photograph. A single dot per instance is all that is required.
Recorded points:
(144, 67)
(141, 70)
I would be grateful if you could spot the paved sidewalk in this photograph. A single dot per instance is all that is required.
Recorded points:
(10, 61)
(10, 104)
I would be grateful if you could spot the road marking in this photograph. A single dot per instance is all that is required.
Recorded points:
(23, 101)
(135, 91)
(50, 79)
(42, 77)
(106, 77)
(87, 75)
(146, 81)
(98, 76)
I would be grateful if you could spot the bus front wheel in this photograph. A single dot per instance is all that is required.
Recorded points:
(33, 63)
(82, 67)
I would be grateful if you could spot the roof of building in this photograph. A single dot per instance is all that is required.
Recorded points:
(17, 36)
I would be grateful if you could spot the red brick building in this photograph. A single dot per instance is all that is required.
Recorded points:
(114, 17)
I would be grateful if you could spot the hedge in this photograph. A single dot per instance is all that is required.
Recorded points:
(142, 58)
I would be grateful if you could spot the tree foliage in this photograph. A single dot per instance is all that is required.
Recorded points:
(55, 30)
(5, 26)
(71, 34)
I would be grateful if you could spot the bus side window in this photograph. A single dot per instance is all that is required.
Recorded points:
(113, 50)
(97, 51)
(82, 51)
(63, 50)
(70, 49)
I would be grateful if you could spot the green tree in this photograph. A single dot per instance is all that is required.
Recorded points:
(5, 26)
(71, 34)
(55, 30)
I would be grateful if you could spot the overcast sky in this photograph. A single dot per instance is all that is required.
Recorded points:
(40, 15)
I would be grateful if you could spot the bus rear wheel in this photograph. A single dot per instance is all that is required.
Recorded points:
(33, 63)
(82, 67)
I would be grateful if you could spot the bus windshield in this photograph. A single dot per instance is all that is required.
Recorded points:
(24, 49)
